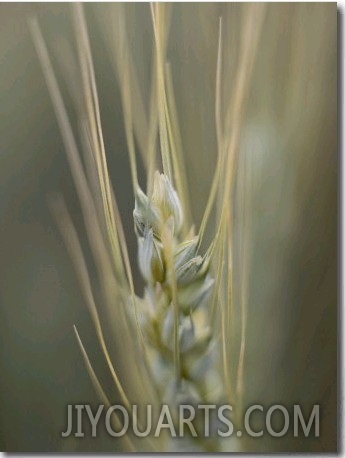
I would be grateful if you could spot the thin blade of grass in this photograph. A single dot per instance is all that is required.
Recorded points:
(72, 242)
(113, 219)
(157, 12)
(85, 197)
(176, 149)
(221, 153)
(99, 389)
(93, 114)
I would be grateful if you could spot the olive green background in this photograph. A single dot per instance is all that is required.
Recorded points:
(290, 135)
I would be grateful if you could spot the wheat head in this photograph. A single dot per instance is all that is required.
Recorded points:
(179, 333)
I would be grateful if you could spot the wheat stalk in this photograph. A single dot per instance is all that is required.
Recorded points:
(172, 332)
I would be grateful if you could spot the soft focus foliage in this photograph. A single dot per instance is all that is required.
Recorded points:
(284, 201)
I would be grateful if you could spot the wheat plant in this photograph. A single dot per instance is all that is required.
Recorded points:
(179, 335)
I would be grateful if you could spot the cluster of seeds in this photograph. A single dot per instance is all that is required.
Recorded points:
(173, 312)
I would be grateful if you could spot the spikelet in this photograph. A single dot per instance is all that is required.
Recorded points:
(183, 353)
(158, 222)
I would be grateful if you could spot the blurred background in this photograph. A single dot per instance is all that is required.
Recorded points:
(287, 171)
